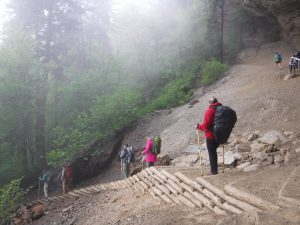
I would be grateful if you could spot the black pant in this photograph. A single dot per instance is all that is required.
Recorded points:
(212, 146)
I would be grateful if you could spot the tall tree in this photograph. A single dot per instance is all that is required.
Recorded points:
(53, 23)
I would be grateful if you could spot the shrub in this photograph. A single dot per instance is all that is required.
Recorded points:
(211, 71)
(10, 195)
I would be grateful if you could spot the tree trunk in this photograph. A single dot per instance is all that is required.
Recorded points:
(41, 97)
(222, 32)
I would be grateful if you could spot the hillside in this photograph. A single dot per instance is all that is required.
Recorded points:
(263, 102)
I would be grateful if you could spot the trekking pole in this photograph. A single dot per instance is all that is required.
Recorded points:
(121, 168)
(200, 153)
(39, 190)
(223, 160)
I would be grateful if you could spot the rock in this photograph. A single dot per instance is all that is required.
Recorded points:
(273, 138)
(278, 159)
(243, 165)
(187, 160)
(253, 137)
(288, 133)
(243, 147)
(288, 76)
(260, 156)
(297, 150)
(164, 160)
(69, 208)
(237, 155)
(290, 157)
(228, 158)
(257, 147)
(271, 148)
(234, 142)
(23, 216)
(37, 211)
(251, 168)
(192, 149)
(269, 160)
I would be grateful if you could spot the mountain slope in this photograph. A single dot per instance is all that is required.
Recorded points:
(263, 101)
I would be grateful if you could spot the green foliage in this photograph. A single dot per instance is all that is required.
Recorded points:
(10, 195)
(211, 71)
(20, 73)
(103, 75)
(108, 114)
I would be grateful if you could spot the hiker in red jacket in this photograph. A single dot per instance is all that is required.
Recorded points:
(206, 126)
(66, 177)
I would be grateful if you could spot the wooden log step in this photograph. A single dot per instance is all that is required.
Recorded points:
(170, 176)
(96, 189)
(186, 201)
(198, 187)
(173, 190)
(252, 199)
(193, 199)
(144, 184)
(166, 198)
(158, 179)
(155, 196)
(242, 205)
(73, 194)
(103, 187)
(176, 186)
(157, 191)
(137, 179)
(148, 182)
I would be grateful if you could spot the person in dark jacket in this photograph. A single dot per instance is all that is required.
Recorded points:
(292, 65)
(206, 126)
(125, 155)
(45, 178)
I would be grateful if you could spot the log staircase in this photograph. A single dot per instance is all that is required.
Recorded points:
(173, 187)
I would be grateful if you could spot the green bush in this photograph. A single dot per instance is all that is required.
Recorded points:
(211, 71)
(10, 195)
(176, 92)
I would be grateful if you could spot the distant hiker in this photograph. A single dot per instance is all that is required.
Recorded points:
(45, 178)
(277, 59)
(292, 64)
(66, 177)
(126, 156)
(151, 157)
(297, 58)
(217, 125)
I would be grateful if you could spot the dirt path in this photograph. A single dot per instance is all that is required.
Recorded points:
(263, 102)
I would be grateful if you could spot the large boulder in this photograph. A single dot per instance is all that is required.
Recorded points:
(284, 14)
(273, 138)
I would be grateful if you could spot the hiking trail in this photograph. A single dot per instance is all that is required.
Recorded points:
(172, 195)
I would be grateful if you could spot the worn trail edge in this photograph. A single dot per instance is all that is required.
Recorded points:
(177, 188)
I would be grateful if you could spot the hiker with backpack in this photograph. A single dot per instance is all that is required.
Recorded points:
(152, 150)
(126, 156)
(277, 59)
(292, 65)
(45, 178)
(66, 177)
(217, 124)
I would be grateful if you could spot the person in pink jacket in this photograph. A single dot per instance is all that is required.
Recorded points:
(150, 156)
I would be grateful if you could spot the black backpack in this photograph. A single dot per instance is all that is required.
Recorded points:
(225, 119)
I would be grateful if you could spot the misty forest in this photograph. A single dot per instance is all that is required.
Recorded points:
(75, 71)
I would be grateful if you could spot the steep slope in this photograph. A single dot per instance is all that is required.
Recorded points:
(263, 101)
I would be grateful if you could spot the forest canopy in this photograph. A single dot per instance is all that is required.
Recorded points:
(72, 71)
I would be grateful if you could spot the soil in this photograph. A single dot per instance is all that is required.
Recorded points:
(263, 101)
